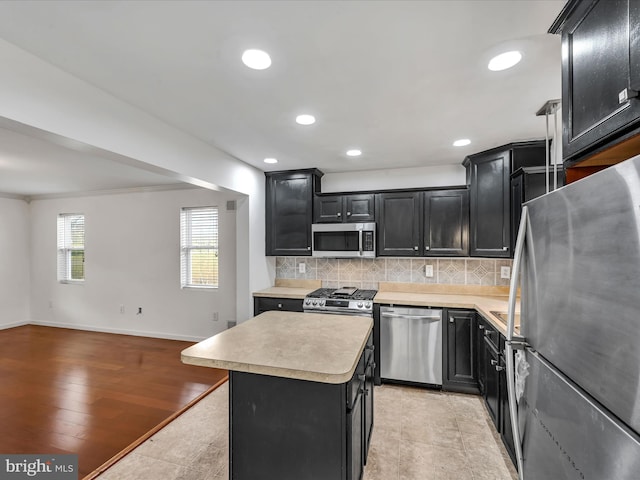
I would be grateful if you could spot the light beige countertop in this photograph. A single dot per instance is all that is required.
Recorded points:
(306, 346)
(483, 299)
(285, 288)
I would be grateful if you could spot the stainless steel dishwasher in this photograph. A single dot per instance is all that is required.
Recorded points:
(411, 344)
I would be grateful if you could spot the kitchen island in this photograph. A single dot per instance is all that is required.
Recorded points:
(298, 396)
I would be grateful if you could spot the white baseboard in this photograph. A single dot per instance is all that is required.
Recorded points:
(168, 336)
(14, 324)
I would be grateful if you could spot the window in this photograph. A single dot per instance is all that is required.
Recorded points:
(70, 247)
(199, 247)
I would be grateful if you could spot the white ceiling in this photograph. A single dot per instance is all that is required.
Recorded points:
(401, 80)
(31, 166)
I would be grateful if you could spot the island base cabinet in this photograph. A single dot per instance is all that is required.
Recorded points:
(293, 429)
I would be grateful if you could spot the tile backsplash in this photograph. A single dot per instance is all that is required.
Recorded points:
(367, 272)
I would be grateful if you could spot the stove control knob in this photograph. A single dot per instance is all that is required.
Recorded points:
(359, 304)
(307, 302)
(315, 302)
(322, 303)
(368, 304)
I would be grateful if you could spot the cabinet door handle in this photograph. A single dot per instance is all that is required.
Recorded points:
(494, 362)
(499, 368)
(308, 248)
(504, 249)
(626, 94)
(348, 214)
(362, 378)
(451, 320)
(338, 214)
(426, 247)
(279, 305)
(415, 248)
(480, 327)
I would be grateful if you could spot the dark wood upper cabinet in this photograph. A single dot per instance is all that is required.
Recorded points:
(489, 204)
(446, 222)
(289, 211)
(328, 209)
(398, 223)
(600, 74)
(423, 223)
(488, 174)
(360, 208)
(344, 208)
(526, 184)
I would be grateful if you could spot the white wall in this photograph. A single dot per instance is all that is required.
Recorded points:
(132, 259)
(39, 95)
(14, 262)
(419, 177)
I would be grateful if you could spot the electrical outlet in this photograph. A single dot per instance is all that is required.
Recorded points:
(428, 271)
(505, 272)
(121, 309)
(302, 267)
(215, 317)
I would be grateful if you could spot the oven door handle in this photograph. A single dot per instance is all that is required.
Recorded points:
(349, 313)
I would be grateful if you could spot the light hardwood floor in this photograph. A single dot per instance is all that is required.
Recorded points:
(90, 393)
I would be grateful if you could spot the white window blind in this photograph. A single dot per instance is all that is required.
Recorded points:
(199, 247)
(70, 247)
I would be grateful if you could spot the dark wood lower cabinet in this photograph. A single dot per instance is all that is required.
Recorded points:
(459, 352)
(368, 405)
(505, 429)
(492, 376)
(265, 304)
(491, 387)
(355, 440)
(300, 430)
(481, 363)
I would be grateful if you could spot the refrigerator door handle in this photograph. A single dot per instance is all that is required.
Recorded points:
(513, 411)
(517, 261)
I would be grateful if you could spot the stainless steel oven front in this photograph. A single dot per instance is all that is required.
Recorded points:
(345, 240)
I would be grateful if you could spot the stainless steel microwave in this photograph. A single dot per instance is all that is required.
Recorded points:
(356, 240)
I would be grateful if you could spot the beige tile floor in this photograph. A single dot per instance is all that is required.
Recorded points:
(418, 435)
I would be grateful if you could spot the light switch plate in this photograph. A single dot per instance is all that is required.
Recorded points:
(505, 272)
(302, 267)
(428, 270)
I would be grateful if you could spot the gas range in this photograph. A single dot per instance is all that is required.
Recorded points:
(343, 301)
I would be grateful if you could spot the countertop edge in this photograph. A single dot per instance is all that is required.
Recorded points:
(418, 299)
(312, 376)
(284, 292)
(279, 371)
(464, 301)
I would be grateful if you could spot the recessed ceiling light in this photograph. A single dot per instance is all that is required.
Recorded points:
(305, 119)
(504, 60)
(270, 160)
(256, 59)
(354, 152)
(462, 142)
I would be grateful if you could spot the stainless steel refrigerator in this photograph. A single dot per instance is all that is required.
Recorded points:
(574, 369)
